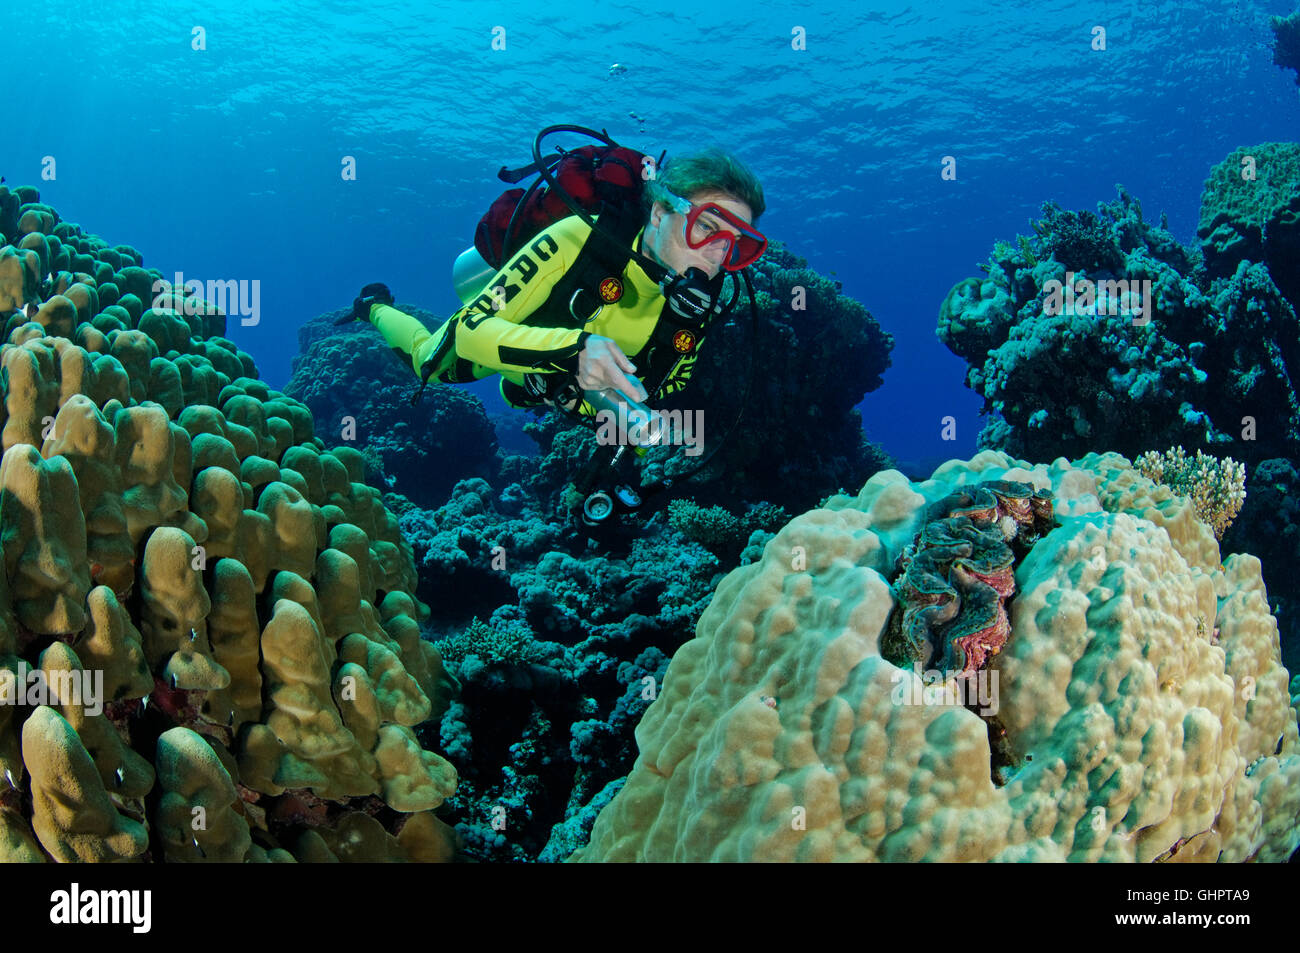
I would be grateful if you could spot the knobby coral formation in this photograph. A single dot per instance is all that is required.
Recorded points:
(1144, 712)
(1217, 488)
(1250, 211)
(198, 597)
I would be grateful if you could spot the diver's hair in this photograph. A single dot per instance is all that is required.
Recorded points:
(710, 170)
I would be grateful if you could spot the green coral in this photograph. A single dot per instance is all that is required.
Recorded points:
(1079, 240)
(1026, 250)
(719, 530)
(1019, 254)
(512, 643)
(1286, 42)
(1217, 488)
(1243, 193)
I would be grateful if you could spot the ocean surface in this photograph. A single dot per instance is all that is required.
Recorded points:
(212, 137)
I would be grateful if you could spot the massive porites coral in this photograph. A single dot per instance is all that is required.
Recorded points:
(360, 392)
(1138, 710)
(209, 643)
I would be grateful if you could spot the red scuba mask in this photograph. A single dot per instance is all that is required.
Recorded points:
(710, 223)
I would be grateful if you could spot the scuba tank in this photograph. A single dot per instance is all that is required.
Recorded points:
(470, 274)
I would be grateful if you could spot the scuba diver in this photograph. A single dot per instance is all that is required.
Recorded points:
(568, 306)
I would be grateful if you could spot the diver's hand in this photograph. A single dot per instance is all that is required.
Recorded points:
(371, 294)
(601, 364)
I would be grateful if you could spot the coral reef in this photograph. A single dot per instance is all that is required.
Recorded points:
(1217, 488)
(1140, 711)
(359, 389)
(558, 649)
(1213, 350)
(1286, 42)
(559, 642)
(1206, 354)
(819, 353)
(209, 643)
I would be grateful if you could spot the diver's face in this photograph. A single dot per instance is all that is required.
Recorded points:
(665, 234)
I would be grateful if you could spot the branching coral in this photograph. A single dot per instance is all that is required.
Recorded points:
(511, 642)
(1082, 241)
(1217, 488)
(719, 530)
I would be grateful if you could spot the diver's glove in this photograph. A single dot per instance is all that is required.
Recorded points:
(376, 293)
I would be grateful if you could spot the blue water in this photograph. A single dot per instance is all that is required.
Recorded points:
(224, 163)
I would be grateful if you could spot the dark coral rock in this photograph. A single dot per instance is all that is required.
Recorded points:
(819, 353)
(558, 646)
(1286, 43)
(1241, 196)
(360, 392)
(1269, 527)
(1214, 351)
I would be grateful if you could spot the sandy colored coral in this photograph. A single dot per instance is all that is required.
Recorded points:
(1217, 488)
(1141, 710)
(318, 751)
(78, 695)
(72, 815)
(44, 541)
(197, 817)
(199, 554)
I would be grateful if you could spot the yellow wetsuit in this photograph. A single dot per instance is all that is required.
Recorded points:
(482, 339)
